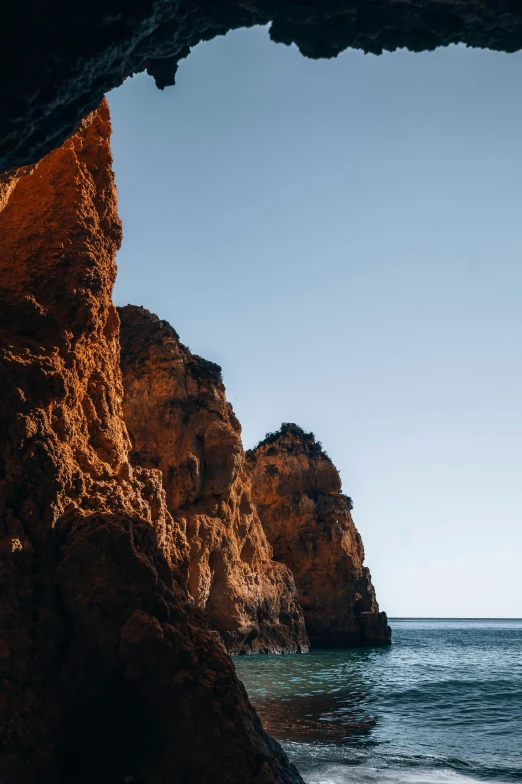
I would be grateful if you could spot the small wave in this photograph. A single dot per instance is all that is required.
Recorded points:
(442, 705)
(341, 774)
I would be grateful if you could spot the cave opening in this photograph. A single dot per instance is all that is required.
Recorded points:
(64, 443)
(325, 230)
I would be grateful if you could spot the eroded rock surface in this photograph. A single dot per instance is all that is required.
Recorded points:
(297, 491)
(58, 58)
(107, 669)
(180, 421)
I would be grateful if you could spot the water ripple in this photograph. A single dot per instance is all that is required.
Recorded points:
(443, 705)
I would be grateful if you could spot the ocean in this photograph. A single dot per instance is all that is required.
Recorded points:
(441, 705)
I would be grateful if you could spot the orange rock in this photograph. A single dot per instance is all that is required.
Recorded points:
(307, 520)
(180, 422)
(108, 670)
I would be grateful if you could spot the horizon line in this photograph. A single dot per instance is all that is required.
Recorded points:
(452, 618)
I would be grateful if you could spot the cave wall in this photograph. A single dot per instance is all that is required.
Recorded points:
(58, 59)
(107, 668)
(308, 522)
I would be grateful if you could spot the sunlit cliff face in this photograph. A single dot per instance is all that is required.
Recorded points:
(180, 421)
(58, 59)
(108, 669)
(308, 522)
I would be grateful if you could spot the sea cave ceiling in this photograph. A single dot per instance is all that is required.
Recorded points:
(58, 59)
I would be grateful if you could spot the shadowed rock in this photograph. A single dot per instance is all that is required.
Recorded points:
(58, 58)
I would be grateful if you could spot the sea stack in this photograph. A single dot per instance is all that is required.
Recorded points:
(308, 522)
(180, 422)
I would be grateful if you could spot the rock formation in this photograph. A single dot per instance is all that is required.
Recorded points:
(297, 491)
(58, 58)
(180, 422)
(107, 669)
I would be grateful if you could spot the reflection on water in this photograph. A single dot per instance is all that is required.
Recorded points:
(316, 717)
(311, 699)
(444, 703)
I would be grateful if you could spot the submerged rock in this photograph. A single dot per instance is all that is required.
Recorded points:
(180, 421)
(308, 521)
(107, 669)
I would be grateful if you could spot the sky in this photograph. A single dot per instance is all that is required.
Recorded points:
(344, 237)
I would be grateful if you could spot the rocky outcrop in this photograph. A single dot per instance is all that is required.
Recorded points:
(109, 673)
(58, 58)
(297, 491)
(180, 421)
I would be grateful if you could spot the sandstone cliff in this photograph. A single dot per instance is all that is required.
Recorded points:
(308, 521)
(107, 669)
(180, 421)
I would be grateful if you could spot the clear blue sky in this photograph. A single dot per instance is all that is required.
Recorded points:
(344, 237)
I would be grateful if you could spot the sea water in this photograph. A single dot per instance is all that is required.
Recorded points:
(441, 705)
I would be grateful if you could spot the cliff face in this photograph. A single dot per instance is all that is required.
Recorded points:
(307, 520)
(180, 422)
(107, 669)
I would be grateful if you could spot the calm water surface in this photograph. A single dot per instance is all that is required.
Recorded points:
(442, 705)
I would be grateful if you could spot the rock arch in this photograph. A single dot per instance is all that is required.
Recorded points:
(58, 59)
